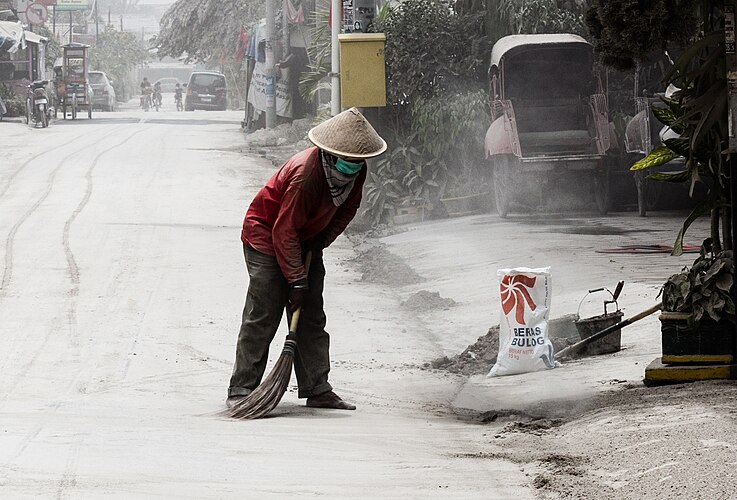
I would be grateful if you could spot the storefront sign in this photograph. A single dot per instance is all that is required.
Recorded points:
(73, 5)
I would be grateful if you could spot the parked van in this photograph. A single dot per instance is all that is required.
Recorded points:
(206, 90)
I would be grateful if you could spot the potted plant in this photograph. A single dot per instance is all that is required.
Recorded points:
(697, 322)
(699, 314)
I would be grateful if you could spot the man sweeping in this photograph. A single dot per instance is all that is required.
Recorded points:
(305, 206)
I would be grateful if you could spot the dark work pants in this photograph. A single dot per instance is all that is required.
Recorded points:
(266, 299)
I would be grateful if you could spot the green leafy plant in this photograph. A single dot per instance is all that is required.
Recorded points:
(202, 30)
(402, 178)
(117, 53)
(540, 16)
(15, 104)
(704, 290)
(627, 31)
(319, 53)
(430, 48)
(698, 113)
(382, 192)
(450, 128)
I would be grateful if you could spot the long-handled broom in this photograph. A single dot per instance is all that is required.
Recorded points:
(270, 391)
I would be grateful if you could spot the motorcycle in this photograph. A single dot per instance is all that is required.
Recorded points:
(156, 98)
(146, 98)
(37, 104)
(178, 100)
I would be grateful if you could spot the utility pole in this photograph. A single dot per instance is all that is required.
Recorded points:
(270, 79)
(336, 20)
(97, 26)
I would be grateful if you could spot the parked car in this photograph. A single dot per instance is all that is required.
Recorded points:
(206, 90)
(550, 125)
(103, 93)
(168, 84)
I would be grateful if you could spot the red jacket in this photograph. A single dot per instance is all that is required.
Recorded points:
(295, 206)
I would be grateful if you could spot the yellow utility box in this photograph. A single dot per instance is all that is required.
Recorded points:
(362, 72)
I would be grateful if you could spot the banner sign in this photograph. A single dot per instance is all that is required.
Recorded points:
(63, 5)
(264, 91)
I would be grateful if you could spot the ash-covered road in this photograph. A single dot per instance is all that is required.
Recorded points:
(122, 282)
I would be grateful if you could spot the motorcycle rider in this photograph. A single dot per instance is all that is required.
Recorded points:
(157, 93)
(145, 89)
(178, 95)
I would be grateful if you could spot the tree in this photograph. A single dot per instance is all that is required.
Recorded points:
(626, 31)
(117, 53)
(53, 48)
(540, 16)
(431, 49)
(205, 29)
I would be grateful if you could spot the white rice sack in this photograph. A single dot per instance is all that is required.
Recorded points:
(523, 330)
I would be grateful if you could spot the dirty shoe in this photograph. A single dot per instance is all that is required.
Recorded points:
(234, 400)
(329, 400)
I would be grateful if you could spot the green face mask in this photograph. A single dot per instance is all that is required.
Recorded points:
(347, 167)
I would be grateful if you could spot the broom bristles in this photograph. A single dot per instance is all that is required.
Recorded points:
(269, 392)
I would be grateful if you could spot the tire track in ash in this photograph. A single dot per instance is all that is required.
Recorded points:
(84, 377)
(10, 239)
(69, 479)
(8, 271)
(72, 266)
(9, 180)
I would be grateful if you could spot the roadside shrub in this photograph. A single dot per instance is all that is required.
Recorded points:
(15, 104)
(451, 129)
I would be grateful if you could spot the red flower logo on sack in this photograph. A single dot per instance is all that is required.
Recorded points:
(514, 290)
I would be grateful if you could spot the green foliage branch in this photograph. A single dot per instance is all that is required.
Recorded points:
(15, 104)
(704, 290)
(431, 49)
(53, 48)
(697, 112)
(436, 61)
(319, 53)
(201, 30)
(117, 53)
(449, 128)
(540, 16)
(625, 31)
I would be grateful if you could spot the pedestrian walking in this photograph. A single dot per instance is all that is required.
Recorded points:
(305, 206)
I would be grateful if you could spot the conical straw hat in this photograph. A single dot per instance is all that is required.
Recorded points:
(348, 135)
